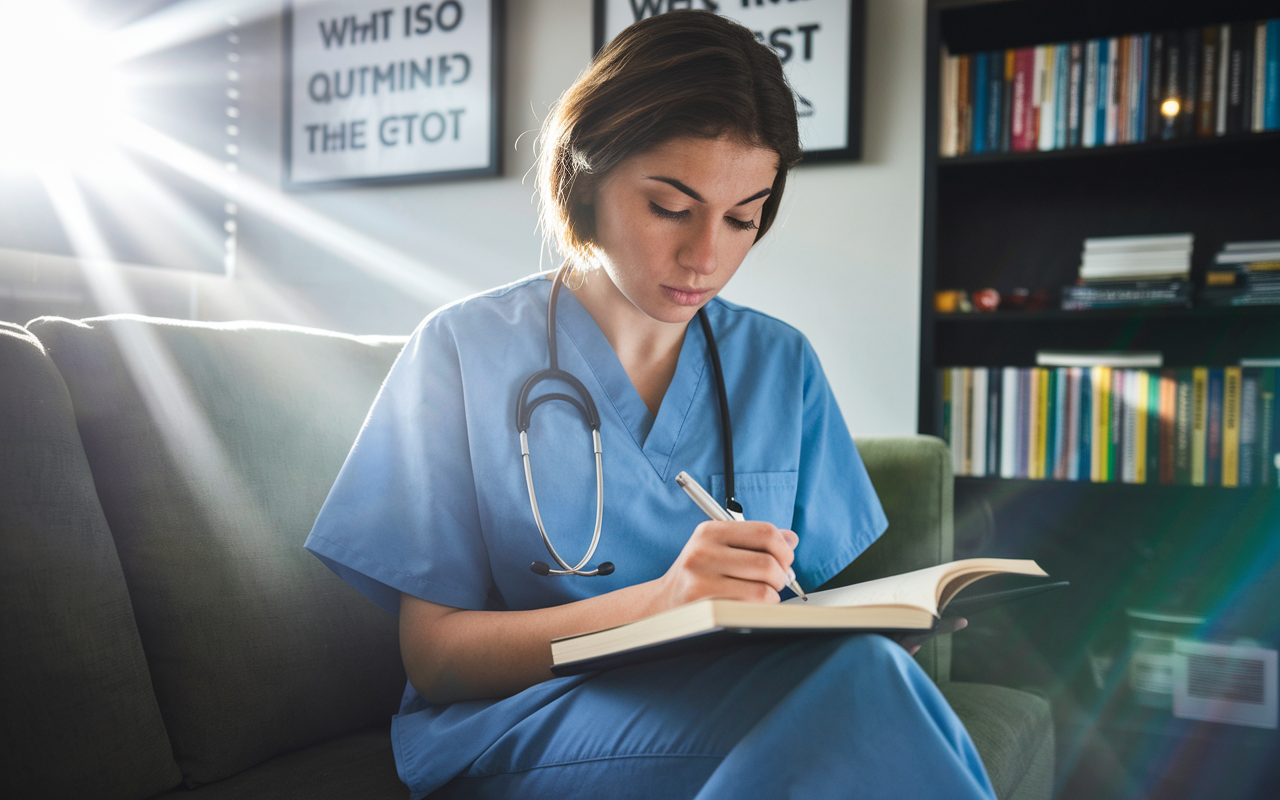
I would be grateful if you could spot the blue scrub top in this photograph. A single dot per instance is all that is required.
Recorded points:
(432, 501)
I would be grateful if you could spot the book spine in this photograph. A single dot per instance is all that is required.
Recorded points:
(978, 136)
(1138, 92)
(1199, 424)
(1156, 86)
(994, 378)
(1168, 420)
(1239, 78)
(956, 413)
(1076, 92)
(947, 102)
(1224, 80)
(1139, 415)
(1089, 97)
(1071, 439)
(1205, 116)
(1006, 102)
(1190, 82)
(1231, 410)
(1035, 421)
(1053, 418)
(1042, 97)
(1268, 430)
(1062, 95)
(1104, 92)
(1101, 403)
(1115, 431)
(1249, 385)
(1044, 423)
(1259, 75)
(1213, 430)
(1113, 89)
(1023, 115)
(1174, 67)
(1129, 436)
(1008, 422)
(1271, 98)
(1084, 459)
(995, 98)
(1153, 426)
(1026, 421)
(1124, 67)
(1185, 430)
(966, 457)
(978, 436)
(964, 105)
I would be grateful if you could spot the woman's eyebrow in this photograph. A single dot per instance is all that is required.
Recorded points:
(678, 185)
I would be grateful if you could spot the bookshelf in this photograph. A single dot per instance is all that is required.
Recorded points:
(1018, 219)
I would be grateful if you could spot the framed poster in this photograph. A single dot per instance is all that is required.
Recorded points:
(383, 93)
(820, 43)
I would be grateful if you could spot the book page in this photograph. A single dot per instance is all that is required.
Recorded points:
(924, 588)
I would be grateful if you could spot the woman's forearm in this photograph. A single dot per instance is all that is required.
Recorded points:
(452, 654)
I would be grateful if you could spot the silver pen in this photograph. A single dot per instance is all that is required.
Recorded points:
(714, 510)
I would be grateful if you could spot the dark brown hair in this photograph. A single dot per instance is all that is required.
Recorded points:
(683, 73)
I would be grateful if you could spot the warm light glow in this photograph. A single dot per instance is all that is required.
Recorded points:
(60, 98)
(1170, 107)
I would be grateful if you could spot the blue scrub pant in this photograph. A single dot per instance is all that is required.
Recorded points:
(848, 716)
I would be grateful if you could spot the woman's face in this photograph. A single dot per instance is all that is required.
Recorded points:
(674, 223)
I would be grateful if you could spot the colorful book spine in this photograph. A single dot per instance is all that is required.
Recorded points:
(1115, 438)
(1139, 416)
(1184, 429)
(1225, 79)
(1267, 427)
(1199, 424)
(1213, 430)
(1084, 457)
(1008, 422)
(1153, 428)
(977, 457)
(994, 378)
(1232, 395)
(1249, 390)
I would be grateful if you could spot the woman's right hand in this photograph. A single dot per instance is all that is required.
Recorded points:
(747, 561)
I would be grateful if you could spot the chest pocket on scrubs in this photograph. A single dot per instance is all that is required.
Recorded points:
(766, 496)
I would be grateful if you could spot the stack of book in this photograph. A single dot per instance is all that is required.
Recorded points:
(1203, 426)
(1244, 274)
(1211, 81)
(1122, 271)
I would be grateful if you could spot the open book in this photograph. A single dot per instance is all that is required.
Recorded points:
(912, 601)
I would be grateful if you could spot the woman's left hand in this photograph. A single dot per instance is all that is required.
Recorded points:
(911, 641)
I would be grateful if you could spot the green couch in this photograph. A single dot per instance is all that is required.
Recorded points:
(165, 634)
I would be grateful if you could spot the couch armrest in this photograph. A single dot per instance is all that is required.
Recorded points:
(912, 476)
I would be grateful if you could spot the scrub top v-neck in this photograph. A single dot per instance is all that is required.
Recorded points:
(432, 500)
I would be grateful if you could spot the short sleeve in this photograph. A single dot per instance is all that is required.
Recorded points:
(837, 513)
(402, 515)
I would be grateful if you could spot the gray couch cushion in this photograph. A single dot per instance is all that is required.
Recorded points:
(76, 705)
(360, 766)
(213, 447)
(1013, 731)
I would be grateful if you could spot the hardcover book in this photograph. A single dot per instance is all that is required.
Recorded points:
(913, 601)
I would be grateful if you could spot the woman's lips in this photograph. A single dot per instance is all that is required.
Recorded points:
(685, 295)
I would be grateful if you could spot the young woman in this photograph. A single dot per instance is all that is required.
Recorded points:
(659, 170)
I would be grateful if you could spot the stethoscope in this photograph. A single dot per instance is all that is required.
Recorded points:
(587, 408)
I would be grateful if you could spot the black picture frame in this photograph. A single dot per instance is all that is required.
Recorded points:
(856, 65)
(497, 40)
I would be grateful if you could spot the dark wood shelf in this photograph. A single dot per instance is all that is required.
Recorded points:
(1172, 148)
(1094, 314)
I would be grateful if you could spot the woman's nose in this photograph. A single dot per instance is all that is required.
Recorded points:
(698, 251)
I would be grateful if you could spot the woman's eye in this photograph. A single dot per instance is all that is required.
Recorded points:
(741, 224)
(666, 213)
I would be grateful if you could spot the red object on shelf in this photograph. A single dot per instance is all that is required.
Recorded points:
(986, 300)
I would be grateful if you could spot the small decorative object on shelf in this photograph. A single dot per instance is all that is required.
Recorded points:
(1244, 274)
(1197, 82)
(1203, 426)
(986, 300)
(951, 301)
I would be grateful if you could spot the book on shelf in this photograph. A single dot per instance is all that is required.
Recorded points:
(1196, 82)
(912, 601)
(1201, 426)
(1243, 273)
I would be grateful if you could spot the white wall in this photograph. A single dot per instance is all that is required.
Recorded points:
(843, 264)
